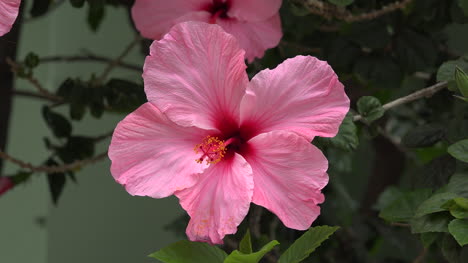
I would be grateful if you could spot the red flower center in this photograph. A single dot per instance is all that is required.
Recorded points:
(218, 9)
(232, 139)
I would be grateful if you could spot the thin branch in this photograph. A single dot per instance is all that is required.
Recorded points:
(330, 11)
(87, 58)
(15, 67)
(31, 94)
(424, 93)
(103, 136)
(54, 6)
(52, 169)
(119, 59)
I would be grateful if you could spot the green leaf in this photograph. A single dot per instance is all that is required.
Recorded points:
(40, 7)
(423, 136)
(21, 177)
(306, 244)
(245, 245)
(124, 96)
(403, 208)
(459, 230)
(461, 78)
(458, 207)
(458, 184)
(239, 257)
(446, 71)
(434, 204)
(78, 100)
(370, 108)
(56, 182)
(459, 150)
(341, 2)
(31, 60)
(96, 13)
(187, 252)
(77, 148)
(464, 6)
(346, 138)
(59, 125)
(436, 222)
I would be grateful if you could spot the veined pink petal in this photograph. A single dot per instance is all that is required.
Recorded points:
(289, 173)
(254, 37)
(196, 75)
(5, 184)
(8, 13)
(302, 94)
(153, 18)
(218, 203)
(152, 156)
(254, 10)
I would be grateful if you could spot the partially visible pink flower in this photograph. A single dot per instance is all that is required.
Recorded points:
(5, 184)
(253, 136)
(255, 23)
(8, 13)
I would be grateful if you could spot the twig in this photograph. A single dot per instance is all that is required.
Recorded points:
(89, 57)
(118, 60)
(424, 93)
(15, 67)
(52, 169)
(103, 136)
(330, 11)
(31, 94)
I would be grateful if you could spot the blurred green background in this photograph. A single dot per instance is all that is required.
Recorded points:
(96, 220)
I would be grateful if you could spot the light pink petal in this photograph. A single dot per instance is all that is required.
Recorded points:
(8, 13)
(289, 173)
(218, 203)
(302, 94)
(154, 18)
(152, 156)
(5, 184)
(254, 37)
(196, 75)
(254, 10)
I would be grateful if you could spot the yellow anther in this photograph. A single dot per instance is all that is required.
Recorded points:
(212, 150)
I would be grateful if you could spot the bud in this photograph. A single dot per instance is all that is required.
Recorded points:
(5, 184)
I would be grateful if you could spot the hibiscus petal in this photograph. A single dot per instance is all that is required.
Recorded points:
(254, 10)
(218, 203)
(196, 75)
(254, 37)
(154, 18)
(152, 156)
(302, 94)
(289, 173)
(8, 13)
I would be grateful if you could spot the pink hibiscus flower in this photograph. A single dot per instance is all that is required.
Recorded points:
(8, 13)
(5, 184)
(255, 23)
(219, 142)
